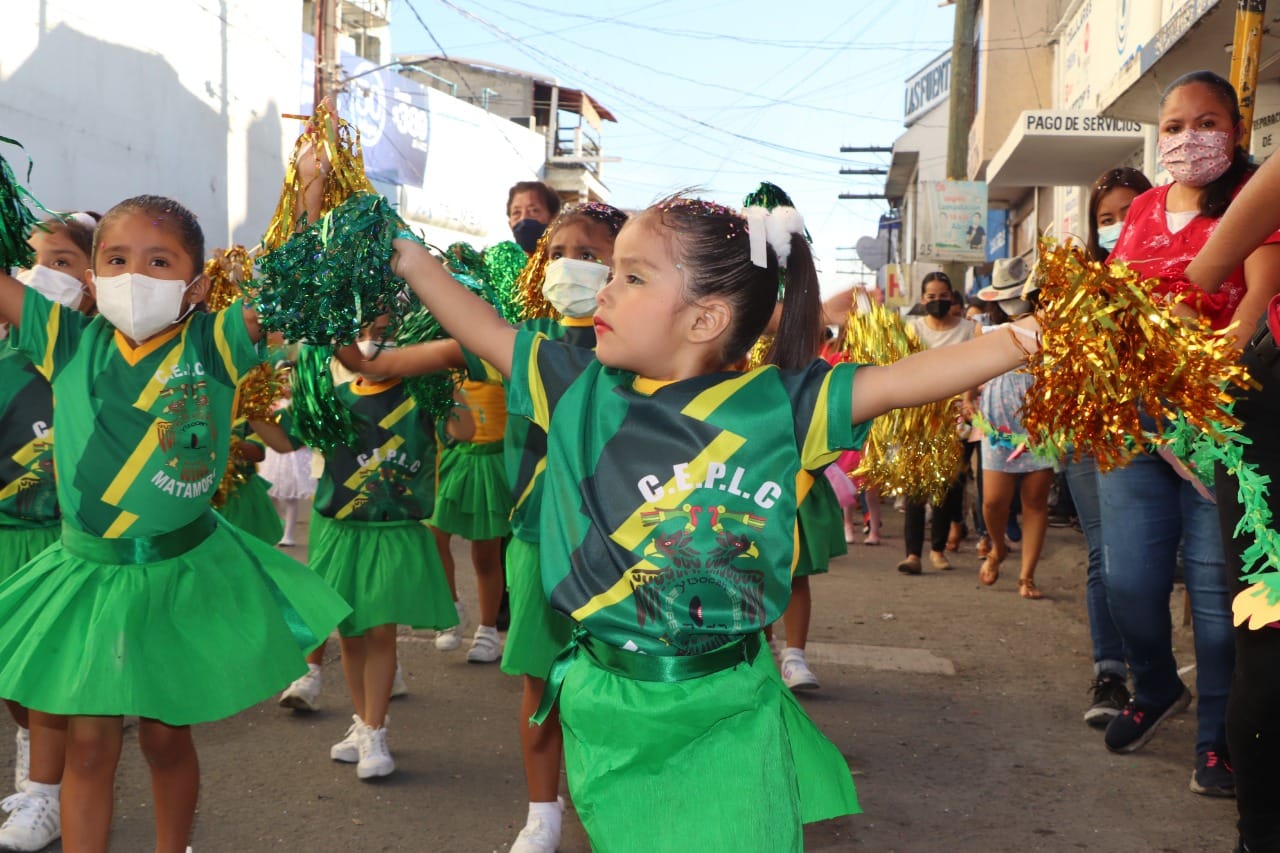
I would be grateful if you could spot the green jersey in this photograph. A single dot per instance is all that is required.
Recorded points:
(143, 431)
(669, 515)
(390, 472)
(27, 489)
(524, 449)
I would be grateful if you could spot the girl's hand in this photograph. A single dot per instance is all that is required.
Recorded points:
(408, 258)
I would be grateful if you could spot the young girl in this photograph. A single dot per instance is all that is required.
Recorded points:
(668, 519)
(369, 541)
(148, 604)
(29, 516)
(473, 501)
(289, 473)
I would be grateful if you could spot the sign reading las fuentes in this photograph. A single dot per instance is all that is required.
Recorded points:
(927, 88)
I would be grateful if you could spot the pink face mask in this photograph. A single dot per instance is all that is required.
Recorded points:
(1196, 157)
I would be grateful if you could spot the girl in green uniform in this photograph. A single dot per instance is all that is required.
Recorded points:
(147, 604)
(667, 527)
(29, 516)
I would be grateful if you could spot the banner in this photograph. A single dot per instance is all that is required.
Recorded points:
(953, 221)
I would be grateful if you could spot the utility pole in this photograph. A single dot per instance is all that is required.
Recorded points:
(961, 105)
(327, 20)
(1245, 50)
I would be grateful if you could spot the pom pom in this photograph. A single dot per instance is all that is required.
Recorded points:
(503, 265)
(318, 417)
(227, 270)
(16, 218)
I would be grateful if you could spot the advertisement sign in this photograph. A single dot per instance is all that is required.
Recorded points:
(953, 222)
(997, 233)
(390, 111)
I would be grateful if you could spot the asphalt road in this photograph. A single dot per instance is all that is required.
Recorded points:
(958, 708)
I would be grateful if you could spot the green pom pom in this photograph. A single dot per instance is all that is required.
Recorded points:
(502, 265)
(330, 280)
(16, 218)
(319, 418)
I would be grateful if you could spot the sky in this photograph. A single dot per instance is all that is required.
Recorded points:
(717, 94)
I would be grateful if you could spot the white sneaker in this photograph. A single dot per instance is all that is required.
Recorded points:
(536, 837)
(347, 750)
(398, 687)
(21, 759)
(34, 821)
(375, 758)
(303, 694)
(485, 646)
(450, 638)
(795, 671)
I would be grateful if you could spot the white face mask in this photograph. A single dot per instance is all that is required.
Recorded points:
(370, 349)
(139, 305)
(571, 285)
(53, 285)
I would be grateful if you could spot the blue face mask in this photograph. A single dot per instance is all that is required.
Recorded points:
(1108, 235)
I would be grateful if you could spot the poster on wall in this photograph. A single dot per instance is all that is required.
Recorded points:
(953, 222)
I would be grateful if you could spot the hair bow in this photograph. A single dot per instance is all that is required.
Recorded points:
(775, 228)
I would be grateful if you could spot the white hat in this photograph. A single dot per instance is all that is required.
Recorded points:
(1009, 280)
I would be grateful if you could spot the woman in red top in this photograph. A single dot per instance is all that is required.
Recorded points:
(1148, 510)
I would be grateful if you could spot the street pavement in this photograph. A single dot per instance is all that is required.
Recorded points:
(957, 706)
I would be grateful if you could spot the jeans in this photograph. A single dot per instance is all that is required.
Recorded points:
(1108, 646)
(1147, 509)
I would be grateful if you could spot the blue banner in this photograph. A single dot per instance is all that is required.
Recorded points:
(997, 233)
(390, 111)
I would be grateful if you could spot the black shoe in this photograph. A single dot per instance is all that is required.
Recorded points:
(1110, 695)
(1213, 776)
(1137, 724)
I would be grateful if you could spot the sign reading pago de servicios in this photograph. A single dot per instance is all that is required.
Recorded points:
(927, 88)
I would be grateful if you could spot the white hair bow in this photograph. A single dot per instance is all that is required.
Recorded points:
(775, 228)
(83, 219)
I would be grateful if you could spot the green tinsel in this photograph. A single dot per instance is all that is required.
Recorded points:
(16, 218)
(320, 420)
(432, 392)
(328, 282)
(502, 265)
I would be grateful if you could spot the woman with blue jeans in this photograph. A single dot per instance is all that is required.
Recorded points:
(1147, 507)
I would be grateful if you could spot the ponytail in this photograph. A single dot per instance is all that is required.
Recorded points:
(798, 339)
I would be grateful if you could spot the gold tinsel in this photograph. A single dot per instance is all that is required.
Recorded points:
(227, 270)
(340, 142)
(238, 472)
(528, 290)
(255, 399)
(913, 452)
(1108, 352)
(755, 358)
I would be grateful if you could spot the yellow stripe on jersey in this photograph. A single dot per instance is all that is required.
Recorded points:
(701, 406)
(365, 471)
(122, 523)
(397, 414)
(538, 393)
(133, 466)
(155, 387)
(816, 451)
(528, 489)
(616, 593)
(51, 331)
(633, 531)
(223, 345)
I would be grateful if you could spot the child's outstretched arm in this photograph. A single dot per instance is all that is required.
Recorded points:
(12, 293)
(273, 436)
(413, 360)
(937, 374)
(1250, 218)
(470, 320)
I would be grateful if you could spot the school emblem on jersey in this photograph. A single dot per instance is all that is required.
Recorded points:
(185, 431)
(696, 590)
(380, 494)
(35, 495)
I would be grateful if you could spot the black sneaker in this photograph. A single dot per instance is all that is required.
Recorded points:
(1213, 776)
(1137, 724)
(1110, 695)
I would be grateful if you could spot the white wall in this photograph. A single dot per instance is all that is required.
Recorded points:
(181, 98)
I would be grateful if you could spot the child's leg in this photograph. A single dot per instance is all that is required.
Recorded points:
(18, 713)
(353, 662)
(486, 555)
(175, 781)
(796, 617)
(316, 656)
(543, 746)
(379, 671)
(1035, 523)
(997, 494)
(48, 747)
(290, 519)
(873, 515)
(93, 750)
(446, 559)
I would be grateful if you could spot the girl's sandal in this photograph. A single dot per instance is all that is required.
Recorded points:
(1027, 588)
(990, 571)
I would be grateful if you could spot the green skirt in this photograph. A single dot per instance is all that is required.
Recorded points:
(473, 497)
(821, 530)
(731, 759)
(21, 545)
(250, 508)
(185, 639)
(537, 632)
(389, 572)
